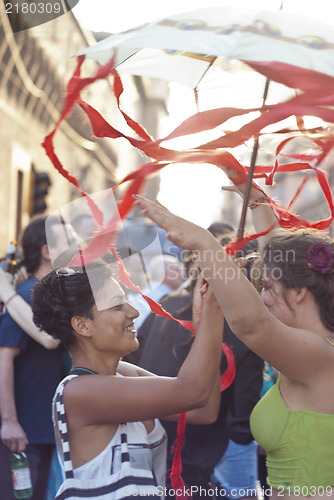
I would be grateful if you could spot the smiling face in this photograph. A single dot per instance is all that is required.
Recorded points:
(112, 329)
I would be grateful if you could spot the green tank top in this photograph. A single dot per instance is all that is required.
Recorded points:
(299, 444)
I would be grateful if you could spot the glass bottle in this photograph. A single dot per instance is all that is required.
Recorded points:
(22, 487)
(9, 263)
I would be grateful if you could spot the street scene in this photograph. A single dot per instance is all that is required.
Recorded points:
(167, 251)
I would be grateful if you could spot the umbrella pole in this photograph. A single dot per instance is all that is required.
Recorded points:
(242, 222)
(241, 228)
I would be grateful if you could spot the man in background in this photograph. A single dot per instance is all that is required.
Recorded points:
(29, 373)
(165, 274)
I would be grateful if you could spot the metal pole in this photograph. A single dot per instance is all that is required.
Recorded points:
(241, 227)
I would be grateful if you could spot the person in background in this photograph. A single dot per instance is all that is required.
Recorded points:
(220, 228)
(165, 274)
(84, 225)
(20, 311)
(292, 328)
(29, 373)
(133, 263)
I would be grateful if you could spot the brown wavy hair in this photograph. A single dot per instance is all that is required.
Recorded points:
(286, 256)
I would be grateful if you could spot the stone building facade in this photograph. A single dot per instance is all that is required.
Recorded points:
(35, 65)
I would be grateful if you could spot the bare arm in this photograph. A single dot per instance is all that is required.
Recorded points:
(12, 433)
(21, 313)
(297, 353)
(212, 319)
(206, 415)
(129, 398)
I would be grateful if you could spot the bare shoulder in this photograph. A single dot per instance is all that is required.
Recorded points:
(79, 388)
(303, 356)
(107, 399)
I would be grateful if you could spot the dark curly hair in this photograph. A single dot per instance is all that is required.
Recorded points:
(285, 256)
(57, 299)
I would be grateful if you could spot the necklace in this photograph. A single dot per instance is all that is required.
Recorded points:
(84, 370)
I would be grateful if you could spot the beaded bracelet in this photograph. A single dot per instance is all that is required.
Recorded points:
(10, 298)
(258, 201)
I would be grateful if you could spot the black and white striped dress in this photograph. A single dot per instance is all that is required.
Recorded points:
(147, 451)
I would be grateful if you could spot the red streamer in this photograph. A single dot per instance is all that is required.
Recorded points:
(176, 471)
(316, 99)
(175, 475)
(228, 377)
(199, 122)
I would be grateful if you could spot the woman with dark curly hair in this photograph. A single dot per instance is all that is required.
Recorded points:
(88, 312)
(292, 328)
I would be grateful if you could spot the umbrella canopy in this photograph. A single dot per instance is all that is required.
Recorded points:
(277, 45)
(184, 47)
(207, 49)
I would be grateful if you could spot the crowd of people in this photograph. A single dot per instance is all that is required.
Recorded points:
(84, 373)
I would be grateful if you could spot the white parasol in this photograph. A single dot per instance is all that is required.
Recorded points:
(202, 48)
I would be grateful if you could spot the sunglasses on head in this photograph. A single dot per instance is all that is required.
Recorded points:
(66, 271)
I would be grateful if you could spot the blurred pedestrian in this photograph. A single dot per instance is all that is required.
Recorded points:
(20, 311)
(165, 274)
(29, 373)
(84, 226)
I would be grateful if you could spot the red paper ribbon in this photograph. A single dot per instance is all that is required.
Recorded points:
(316, 99)
(308, 102)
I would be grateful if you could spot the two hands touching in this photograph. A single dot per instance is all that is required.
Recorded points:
(204, 302)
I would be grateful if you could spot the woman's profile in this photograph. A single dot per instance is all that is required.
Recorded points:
(92, 318)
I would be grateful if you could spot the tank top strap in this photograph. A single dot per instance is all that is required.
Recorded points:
(329, 340)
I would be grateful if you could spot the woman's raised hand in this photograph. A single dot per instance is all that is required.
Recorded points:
(205, 303)
(181, 232)
(198, 296)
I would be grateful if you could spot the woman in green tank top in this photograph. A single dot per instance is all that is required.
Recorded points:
(291, 326)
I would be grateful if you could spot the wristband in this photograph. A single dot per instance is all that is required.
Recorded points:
(258, 201)
(10, 298)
